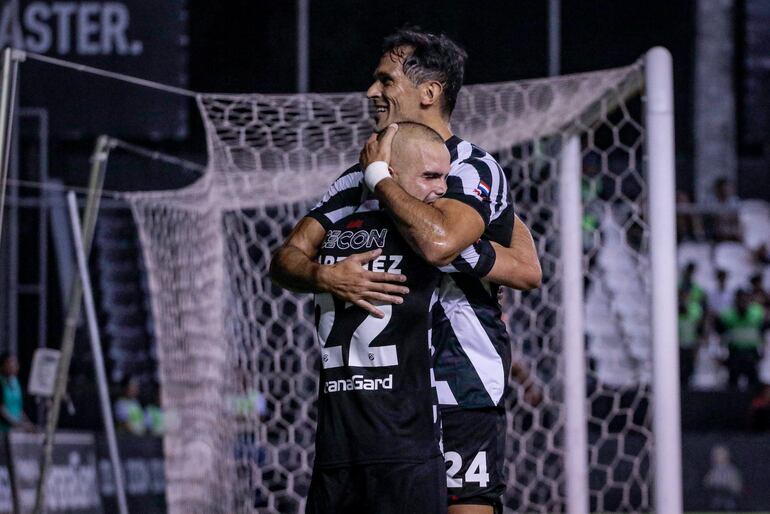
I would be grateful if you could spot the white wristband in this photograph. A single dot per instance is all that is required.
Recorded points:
(376, 171)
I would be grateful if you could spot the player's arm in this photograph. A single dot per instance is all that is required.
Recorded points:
(437, 231)
(294, 267)
(518, 265)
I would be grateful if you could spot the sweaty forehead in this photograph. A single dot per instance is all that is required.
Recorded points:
(435, 156)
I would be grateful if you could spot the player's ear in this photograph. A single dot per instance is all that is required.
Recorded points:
(393, 172)
(430, 92)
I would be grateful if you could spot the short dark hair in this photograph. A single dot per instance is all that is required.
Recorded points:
(433, 57)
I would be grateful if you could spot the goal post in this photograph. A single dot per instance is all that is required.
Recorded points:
(237, 355)
(659, 118)
(575, 424)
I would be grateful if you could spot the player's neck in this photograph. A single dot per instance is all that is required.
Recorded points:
(440, 125)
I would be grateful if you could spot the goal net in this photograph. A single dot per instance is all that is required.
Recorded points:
(238, 359)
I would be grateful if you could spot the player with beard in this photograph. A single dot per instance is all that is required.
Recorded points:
(418, 78)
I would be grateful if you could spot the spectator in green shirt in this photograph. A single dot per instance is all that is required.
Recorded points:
(742, 327)
(154, 416)
(12, 407)
(688, 285)
(690, 334)
(129, 413)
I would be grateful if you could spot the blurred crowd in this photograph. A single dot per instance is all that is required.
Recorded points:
(724, 336)
(137, 418)
(138, 409)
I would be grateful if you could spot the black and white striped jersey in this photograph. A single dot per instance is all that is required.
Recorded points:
(473, 352)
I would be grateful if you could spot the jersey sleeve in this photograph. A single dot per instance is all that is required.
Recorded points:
(342, 198)
(476, 260)
(478, 183)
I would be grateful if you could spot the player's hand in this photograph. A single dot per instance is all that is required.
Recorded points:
(533, 395)
(350, 281)
(378, 150)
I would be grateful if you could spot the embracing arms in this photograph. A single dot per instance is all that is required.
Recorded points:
(294, 267)
(439, 231)
(517, 266)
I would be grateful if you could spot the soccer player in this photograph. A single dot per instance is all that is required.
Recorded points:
(377, 441)
(418, 78)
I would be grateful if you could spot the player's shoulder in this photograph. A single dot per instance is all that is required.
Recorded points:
(356, 168)
(353, 172)
(351, 178)
(474, 165)
(465, 154)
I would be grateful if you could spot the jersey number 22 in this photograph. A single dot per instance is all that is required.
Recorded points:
(359, 352)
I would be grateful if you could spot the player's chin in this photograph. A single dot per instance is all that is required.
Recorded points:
(381, 121)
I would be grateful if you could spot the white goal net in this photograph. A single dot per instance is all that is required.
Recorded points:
(238, 358)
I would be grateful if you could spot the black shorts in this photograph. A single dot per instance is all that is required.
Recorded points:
(474, 450)
(390, 488)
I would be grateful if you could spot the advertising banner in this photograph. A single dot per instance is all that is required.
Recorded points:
(135, 37)
(143, 473)
(6, 494)
(71, 485)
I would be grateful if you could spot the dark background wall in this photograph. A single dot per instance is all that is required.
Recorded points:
(247, 46)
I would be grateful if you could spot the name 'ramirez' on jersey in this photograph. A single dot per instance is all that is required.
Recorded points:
(377, 402)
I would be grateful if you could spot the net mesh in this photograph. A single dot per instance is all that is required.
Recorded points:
(237, 355)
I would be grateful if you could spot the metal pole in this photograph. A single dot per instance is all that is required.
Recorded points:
(98, 165)
(42, 117)
(43, 245)
(96, 348)
(7, 105)
(576, 423)
(554, 37)
(303, 46)
(659, 120)
(12, 226)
